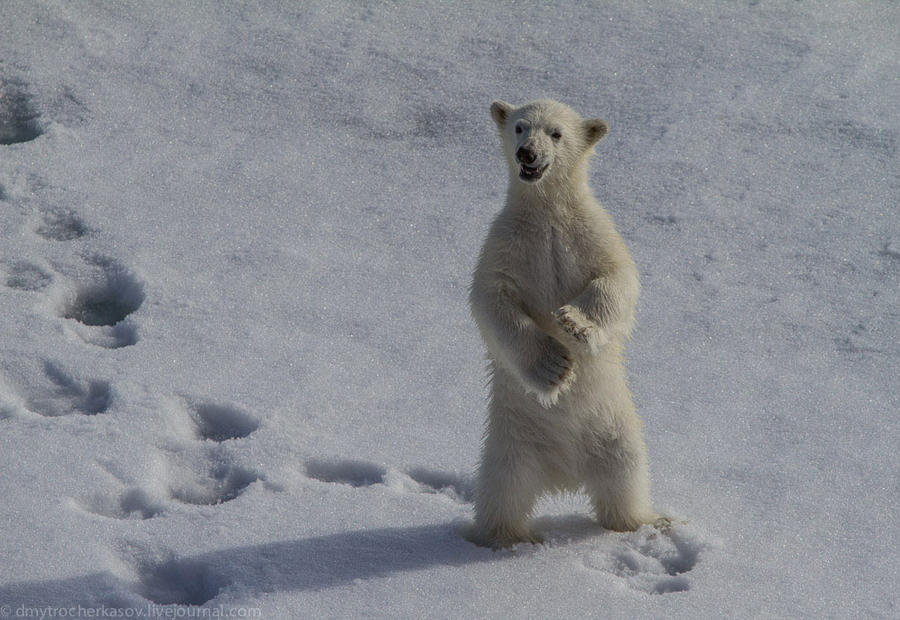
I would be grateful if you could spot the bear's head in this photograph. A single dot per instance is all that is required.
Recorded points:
(545, 139)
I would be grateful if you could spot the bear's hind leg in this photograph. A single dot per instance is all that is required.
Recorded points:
(619, 489)
(508, 486)
(621, 515)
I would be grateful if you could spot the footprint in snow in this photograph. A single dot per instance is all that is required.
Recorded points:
(215, 421)
(24, 275)
(455, 486)
(66, 395)
(207, 477)
(887, 252)
(129, 503)
(101, 303)
(354, 473)
(650, 560)
(216, 482)
(100, 298)
(19, 121)
(52, 217)
(60, 224)
(179, 582)
(213, 478)
(358, 473)
(105, 299)
(210, 480)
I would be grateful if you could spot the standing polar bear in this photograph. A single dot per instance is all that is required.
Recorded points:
(553, 296)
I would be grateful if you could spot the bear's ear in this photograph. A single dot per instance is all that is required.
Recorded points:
(594, 130)
(500, 111)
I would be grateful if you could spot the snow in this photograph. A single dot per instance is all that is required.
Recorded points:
(237, 369)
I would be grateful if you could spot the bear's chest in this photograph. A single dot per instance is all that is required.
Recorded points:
(552, 267)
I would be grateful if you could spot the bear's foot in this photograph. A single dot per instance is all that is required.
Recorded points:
(629, 523)
(502, 538)
(665, 524)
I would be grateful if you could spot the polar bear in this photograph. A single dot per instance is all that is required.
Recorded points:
(553, 295)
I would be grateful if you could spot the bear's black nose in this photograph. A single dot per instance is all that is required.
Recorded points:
(525, 155)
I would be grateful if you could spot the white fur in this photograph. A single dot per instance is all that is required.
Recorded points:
(553, 295)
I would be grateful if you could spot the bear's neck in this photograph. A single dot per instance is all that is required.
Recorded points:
(560, 196)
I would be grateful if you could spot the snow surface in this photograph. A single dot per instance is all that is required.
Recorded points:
(237, 369)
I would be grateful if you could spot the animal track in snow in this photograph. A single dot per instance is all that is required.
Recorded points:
(663, 220)
(18, 118)
(208, 482)
(101, 304)
(65, 106)
(179, 582)
(60, 224)
(651, 561)
(418, 480)
(220, 422)
(216, 482)
(66, 395)
(192, 477)
(131, 503)
(455, 486)
(648, 560)
(354, 473)
(215, 479)
(122, 334)
(26, 276)
(187, 474)
(887, 252)
(107, 299)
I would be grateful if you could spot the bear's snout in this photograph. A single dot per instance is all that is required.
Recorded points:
(526, 155)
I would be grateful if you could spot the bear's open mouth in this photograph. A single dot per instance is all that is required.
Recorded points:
(527, 173)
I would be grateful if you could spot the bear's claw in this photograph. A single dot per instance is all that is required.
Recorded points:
(580, 328)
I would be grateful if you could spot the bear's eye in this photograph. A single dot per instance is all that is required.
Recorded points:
(556, 135)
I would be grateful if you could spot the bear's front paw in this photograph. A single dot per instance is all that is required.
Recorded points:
(580, 328)
(552, 373)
